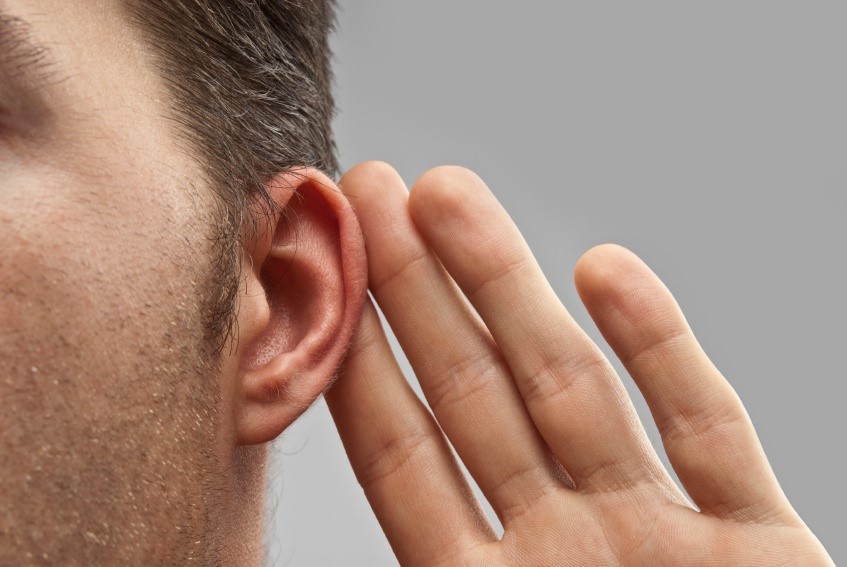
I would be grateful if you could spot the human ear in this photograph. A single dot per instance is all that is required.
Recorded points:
(306, 280)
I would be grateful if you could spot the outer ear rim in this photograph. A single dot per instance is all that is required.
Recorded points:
(260, 418)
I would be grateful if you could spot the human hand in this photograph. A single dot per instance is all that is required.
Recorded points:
(533, 408)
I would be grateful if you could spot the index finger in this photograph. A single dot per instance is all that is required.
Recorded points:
(400, 457)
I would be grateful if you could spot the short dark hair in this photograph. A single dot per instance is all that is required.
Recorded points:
(250, 82)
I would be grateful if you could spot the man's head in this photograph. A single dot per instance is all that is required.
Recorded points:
(250, 87)
(179, 277)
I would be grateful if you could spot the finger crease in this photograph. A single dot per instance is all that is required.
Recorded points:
(393, 455)
(419, 259)
(557, 376)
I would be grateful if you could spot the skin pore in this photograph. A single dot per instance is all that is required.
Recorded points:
(103, 275)
(126, 439)
(532, 406)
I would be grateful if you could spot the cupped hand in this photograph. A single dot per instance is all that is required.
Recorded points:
(533, 408)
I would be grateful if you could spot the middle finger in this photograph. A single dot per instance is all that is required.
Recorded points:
(571, 390)
(459, 367)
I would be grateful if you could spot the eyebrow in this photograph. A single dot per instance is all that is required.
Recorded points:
(21, 56)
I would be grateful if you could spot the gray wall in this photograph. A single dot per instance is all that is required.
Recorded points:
(710, 137)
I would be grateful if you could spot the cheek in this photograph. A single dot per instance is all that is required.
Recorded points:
(102, 268)
(103, 390)
(85, 332)
(43, 301)
(91, 274)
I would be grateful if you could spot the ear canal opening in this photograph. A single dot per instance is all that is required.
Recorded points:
(284, 330)
(299, 291)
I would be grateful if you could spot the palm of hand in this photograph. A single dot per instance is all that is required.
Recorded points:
(639, 527)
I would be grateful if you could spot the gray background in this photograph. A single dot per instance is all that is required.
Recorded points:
(711, 138)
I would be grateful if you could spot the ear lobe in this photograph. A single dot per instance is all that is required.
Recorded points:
(302, 300)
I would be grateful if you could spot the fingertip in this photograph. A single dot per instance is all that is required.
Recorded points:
(603, 267)
(369, 179)
(378, 196)
(622, 293)
(443, 192)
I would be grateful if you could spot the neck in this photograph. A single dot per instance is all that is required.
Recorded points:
(242, 519)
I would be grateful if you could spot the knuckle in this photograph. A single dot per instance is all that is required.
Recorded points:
(519, 491)
(554, 379)
(714, 422)
(400, 270)
(463, 379)
(660, 346)
(392, 455)
(369, 336)
(365, 341)
(608, 475)
(509, 267)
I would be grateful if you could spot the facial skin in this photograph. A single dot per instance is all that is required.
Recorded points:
(126, 439)
(123, 438)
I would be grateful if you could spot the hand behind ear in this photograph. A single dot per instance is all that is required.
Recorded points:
(533, 407)
(300, 302)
